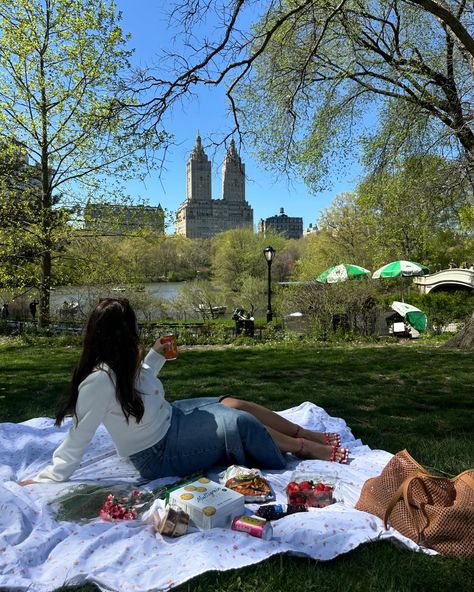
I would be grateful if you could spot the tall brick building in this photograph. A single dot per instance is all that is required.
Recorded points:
(200, 216)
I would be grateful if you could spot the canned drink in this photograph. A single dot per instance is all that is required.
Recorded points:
(171, 352)
(253, 526)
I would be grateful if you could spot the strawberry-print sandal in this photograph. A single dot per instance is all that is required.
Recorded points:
(332, 438)
(338, 454)
(337, 451)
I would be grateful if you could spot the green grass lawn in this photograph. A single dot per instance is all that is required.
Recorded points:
(414, 396)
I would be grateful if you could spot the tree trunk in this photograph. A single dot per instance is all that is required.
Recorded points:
(46, 196)
(465, 338)
(44, 308)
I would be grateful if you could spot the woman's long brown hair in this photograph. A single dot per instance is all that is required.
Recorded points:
(111, 338)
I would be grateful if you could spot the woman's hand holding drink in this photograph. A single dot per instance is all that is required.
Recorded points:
(167, 347)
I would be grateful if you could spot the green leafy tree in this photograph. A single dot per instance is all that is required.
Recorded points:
(316, 254)
(98, 261)
(346, 227)
(443, 308)
(398, 60)
(19, 208)
(181, 258)
(158, 257)
(285, 264)
(60, 62)
(412, 211)
(252, 296)
(137, 253)
(238, 254)
(416, 210)
(342, 237)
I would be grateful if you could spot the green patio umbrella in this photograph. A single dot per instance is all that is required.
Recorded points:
(400, 269)
(342, 272)
(414, 316)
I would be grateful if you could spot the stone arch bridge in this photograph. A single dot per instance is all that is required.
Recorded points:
(446, 280)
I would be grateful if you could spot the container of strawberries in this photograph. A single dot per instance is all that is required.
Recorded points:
(314, 491)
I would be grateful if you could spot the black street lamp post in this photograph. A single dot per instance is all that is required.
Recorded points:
(269, 254)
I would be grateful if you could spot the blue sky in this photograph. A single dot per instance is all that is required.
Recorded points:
(146, 20)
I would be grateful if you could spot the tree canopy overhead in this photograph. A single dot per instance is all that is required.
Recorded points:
(301, 78)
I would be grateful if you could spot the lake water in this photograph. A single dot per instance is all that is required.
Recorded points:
(166, 290)
(85, 294)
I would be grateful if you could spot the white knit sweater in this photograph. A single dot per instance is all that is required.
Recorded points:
(98, 404)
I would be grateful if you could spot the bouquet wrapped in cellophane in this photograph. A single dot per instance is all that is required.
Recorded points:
(112, 501)
(119, 501)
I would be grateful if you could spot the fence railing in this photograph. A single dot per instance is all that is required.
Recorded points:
(197, 330)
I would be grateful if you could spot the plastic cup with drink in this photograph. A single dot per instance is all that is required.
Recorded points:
(171, 351)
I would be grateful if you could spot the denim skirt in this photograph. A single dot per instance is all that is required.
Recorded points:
(203, 434)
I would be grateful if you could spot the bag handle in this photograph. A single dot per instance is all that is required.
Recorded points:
(403, 493)
(468, 480)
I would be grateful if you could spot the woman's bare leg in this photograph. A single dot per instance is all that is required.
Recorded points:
(284, 432)
(305, 448)
(272, 420)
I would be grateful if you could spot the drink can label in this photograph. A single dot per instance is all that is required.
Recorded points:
(253, 526)
(171, 352)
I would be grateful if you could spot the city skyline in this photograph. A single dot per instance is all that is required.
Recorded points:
(206, 114)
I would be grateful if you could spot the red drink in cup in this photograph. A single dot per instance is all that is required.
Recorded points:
(171, 352)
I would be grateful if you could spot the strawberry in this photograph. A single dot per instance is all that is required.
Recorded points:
(305, 485)
(292, 486)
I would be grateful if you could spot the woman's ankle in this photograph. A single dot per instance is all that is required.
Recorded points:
(303, 433)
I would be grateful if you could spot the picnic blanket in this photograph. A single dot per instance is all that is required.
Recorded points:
(39, 553)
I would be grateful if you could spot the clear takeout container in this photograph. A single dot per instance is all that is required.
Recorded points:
(311, 489)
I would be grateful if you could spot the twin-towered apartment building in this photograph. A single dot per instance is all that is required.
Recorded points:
(201, 216)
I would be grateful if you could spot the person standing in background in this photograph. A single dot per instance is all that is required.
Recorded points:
(33, 305)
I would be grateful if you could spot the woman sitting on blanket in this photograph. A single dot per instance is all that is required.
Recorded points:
(112, 385)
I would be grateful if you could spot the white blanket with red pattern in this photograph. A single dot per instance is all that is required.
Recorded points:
(38, 553)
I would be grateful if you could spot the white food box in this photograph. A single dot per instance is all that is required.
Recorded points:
(209, 504)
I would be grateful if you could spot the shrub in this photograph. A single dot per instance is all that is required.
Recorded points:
(272, 331)
(443, 308)
(5, 328)
(348, 307)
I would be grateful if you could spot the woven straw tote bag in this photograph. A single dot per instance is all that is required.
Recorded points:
(435, 512)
